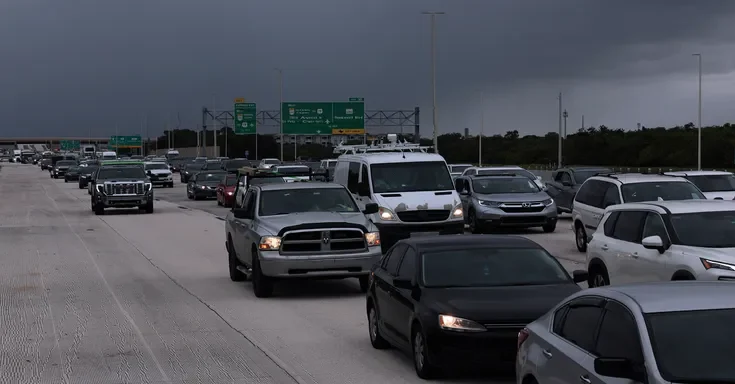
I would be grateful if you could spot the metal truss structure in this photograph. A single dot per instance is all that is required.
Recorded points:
(379, 122)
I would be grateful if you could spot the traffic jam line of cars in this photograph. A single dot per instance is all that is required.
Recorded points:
(492, 301)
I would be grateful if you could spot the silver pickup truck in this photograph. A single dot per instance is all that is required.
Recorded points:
(300, 230)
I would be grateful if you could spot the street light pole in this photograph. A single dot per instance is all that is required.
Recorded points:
(433, 77)
(215, 151)
(699, 115)
(565, 115)
(280, 105)
(482, 128)
(558, 161)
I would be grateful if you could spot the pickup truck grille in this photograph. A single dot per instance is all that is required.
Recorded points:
(323, 241)
(423, 215)
(124, 189)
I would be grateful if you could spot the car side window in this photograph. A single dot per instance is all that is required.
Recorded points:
(364, 182)
(654, 226)
(610, 223)
(559, 319)
(471, 172)
(611, 196)
(252, 203)
(353, 175)
(565, 177)
(583, 193)
(580, 326)
(628, 226)
(407, 269)
(391, 265)
(618, 335)
(247, 200)
(595, 190)
(459, 185)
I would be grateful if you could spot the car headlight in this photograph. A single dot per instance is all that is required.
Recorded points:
(269, 243)
(148, 186)
(372, 238)
(459, 324)
(486, 203)
(458, 212)
(386, 214)
(204, 187)
(100, 188)
(548, 202)
(713, 264)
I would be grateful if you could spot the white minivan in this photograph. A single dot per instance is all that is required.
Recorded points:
(414, 192)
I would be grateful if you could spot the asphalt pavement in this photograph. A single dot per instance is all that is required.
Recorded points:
(145, 298)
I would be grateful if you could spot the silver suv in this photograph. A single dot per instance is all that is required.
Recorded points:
(505, 200)
(300, 230)
(601, 191)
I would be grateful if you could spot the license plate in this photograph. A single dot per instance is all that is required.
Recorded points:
(424, 234)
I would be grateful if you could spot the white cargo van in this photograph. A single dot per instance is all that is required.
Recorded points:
(109, 155)
(414, 191)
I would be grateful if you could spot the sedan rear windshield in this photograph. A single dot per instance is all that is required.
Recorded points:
(490, 267)
(693, 346)
(156, 166)
(292, 170)
(287, 201)
(705, 229)
(235, 164)
(121, 173)
(210, 177)
(66, 163)
(660, 191)
(713, 183)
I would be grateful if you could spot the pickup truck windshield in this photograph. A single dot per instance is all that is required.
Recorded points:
(287, 201)
(121, 173)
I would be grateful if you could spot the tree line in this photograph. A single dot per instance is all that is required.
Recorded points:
(603, 146)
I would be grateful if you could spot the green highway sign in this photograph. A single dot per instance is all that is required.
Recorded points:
(125, 141)
(245, 117)
(361, 99)
(323, 118)
(70, 145)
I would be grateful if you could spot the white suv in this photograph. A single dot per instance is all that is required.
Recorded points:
(601, 191)
(718, 185)
(663, 241)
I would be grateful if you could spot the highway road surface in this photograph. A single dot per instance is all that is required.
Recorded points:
(135, 298)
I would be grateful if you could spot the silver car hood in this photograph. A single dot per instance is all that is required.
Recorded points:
(514, 197)
(274, 224)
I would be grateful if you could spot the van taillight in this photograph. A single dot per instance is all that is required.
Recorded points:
(522, 336)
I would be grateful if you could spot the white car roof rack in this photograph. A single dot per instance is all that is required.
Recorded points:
(392, 146)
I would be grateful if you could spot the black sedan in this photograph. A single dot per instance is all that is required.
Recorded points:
(72, 174)
(85, 174)
(189, 170)
(204, 185)
(460, 301)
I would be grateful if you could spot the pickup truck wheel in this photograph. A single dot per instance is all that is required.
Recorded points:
(262, 285)
(149, 207)
(235, 274)
(364, 283)
(99, 209)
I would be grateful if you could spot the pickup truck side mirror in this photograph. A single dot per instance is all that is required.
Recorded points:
(241, 213)
(370, 208)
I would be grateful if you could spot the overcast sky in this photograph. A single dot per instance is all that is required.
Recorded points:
(71, 66)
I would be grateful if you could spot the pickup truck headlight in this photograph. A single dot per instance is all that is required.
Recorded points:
(386, 214)
(269, 243)
(100, 188)
(372, 239)
(148, 186)
(458, 212)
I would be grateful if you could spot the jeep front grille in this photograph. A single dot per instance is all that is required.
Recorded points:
(124, 189)
(330, 240)
(423, 215)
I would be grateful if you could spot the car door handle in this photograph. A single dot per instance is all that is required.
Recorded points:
(605, 247)
(546, 353)
(634, 255)
(585, 379)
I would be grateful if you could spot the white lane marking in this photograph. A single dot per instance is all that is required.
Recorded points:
(64, 375)
(125, 313)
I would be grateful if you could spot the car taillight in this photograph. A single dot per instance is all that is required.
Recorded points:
(522, 336)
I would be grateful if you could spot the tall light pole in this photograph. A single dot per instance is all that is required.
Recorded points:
(433, 76)
(482, 128)
(699, 115)
(280, 105)
(558, 162)
(565, 115)
(215, 152)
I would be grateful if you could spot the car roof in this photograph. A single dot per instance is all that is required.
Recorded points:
(678, 206)
(675, 296)
(698, 173)
(298, 185)
(631, 178)
(449, 242)
(392, 157)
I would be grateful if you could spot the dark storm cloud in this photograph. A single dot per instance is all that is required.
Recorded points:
(73, 66)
